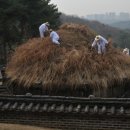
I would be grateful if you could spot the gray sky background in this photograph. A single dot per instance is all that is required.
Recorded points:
(84, 7)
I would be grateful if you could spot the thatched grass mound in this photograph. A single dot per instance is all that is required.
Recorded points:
(73, 63)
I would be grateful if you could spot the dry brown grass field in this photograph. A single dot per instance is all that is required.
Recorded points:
(19, 127)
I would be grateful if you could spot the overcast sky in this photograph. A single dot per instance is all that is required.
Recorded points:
(84, 7)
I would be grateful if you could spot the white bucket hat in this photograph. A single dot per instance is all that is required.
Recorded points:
(47, 24)
(97, 37)
(51, 30)
(126, 50)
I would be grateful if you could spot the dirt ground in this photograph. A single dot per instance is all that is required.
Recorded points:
(20, 127)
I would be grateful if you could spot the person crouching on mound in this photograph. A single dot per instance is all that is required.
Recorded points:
(54, 37)
(101, 44)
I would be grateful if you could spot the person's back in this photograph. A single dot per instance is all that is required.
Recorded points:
(103, 41)
(54, 37)
(43, 28)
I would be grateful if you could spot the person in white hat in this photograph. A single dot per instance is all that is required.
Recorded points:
(54, 37)
(101, 43)
(126, 51)
(43, 28)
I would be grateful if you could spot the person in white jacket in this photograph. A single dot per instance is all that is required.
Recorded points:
(101, 43)
(126, 51)
(43, 28)
(54, 37)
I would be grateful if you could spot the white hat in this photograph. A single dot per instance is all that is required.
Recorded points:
(126, 50)
(47, 24)
(51, 30)
(97, 37)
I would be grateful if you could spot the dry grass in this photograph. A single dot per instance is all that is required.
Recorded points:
(73, 63)
(19, 127)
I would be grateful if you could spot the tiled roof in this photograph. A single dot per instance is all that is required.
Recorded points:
(75, 105)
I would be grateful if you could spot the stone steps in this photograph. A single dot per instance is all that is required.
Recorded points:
(3, 90)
